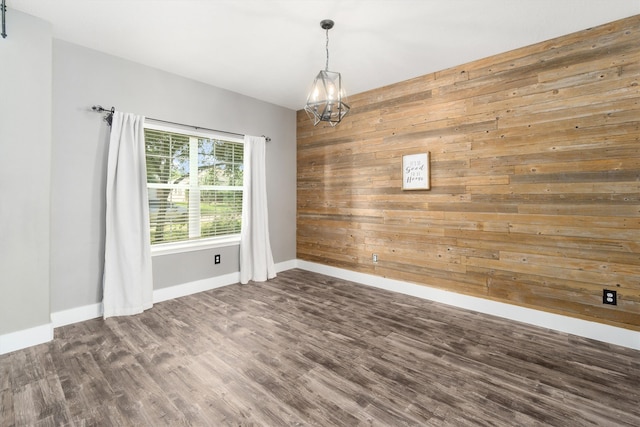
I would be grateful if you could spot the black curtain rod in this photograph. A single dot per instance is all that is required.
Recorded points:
(3, 10)
(108, 118)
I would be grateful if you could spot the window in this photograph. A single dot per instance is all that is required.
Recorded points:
(194, 181)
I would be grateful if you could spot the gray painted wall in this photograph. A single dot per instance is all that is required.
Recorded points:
(83, 77)
(25, 147)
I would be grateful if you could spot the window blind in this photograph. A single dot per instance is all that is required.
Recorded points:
(194, 185)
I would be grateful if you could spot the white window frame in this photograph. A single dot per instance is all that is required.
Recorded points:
(204, 243)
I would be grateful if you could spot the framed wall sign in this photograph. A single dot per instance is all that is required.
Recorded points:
(415, 172)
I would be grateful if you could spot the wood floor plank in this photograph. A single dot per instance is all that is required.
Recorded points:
(310, 350)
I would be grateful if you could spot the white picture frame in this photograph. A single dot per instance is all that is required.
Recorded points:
(416, 171)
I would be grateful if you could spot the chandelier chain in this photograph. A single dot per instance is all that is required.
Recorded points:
(326, 66)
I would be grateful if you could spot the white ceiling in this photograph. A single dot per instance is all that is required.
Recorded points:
(272, 49)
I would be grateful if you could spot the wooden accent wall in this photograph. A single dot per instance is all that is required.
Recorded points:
(535, 178)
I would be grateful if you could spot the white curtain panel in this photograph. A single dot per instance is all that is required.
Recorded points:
(127, 281)
(256, 259)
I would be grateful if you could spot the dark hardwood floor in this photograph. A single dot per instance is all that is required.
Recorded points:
(310, 350)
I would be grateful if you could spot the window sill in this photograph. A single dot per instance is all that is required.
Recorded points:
(198, 245)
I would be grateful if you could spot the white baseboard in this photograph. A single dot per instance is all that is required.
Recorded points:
(91, 311)
(571, 325)
(26, 338)
(33, 336)
(194, 287)
(610, 334)
(75, 315)
(286, 265)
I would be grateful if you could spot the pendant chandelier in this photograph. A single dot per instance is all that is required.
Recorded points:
(327, 101)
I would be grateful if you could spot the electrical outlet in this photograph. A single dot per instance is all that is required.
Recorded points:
(609, 297)
(216, 259)
(374, 258)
